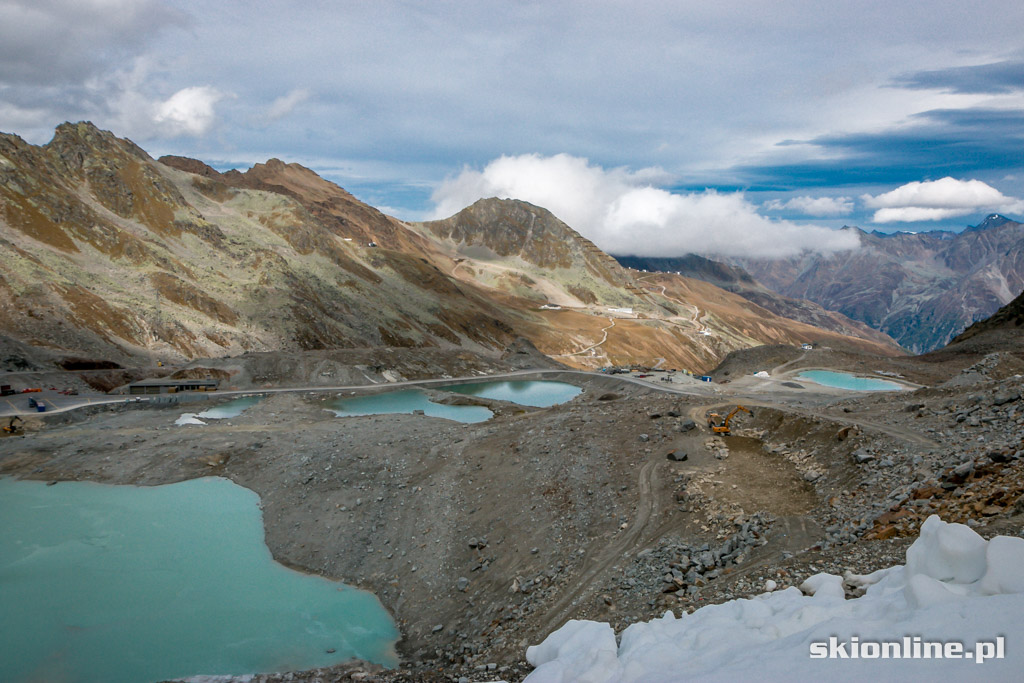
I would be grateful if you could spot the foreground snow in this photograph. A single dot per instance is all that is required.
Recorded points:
(956, 586)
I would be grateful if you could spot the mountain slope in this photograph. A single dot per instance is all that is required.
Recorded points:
(921, 289)
(1006, 325)
(503, 236)
(608, 314)
(112, 256)
(734, 279)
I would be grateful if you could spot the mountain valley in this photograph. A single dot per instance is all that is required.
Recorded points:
(633, 498)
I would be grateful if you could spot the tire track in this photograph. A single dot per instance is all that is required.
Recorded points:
(627, 543)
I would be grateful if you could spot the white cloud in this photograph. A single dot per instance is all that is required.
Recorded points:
(286, 104)
(938, 199)
(813, 206)
(622, 213)
(188, 112)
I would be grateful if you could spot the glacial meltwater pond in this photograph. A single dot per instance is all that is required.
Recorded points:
(230, 409)
(406, 401)
(223, 411)
(135, 584)
(540, 394)
(844, 380)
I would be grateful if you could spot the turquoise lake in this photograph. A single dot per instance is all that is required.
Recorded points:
(230, 409)
(844, 380)
(539, 394)
(135, 584)
(406, 401)
(223, 411)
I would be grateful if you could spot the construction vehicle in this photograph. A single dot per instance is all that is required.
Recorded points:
(12, 428)
(719, 426)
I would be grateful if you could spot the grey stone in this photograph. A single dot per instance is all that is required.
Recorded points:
(862, 456)
(1004, 398)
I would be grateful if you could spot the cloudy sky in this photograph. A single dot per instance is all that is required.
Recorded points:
(648, 125)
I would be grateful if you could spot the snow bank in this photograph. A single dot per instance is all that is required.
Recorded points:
(762, 374)
(189, 419)
(956, 586)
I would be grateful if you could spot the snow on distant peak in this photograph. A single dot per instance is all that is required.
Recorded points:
(955, 587)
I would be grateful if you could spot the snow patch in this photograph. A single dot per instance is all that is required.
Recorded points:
(956, 586)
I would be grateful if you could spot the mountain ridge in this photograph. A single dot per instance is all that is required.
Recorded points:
(111, 255)
(919, 288)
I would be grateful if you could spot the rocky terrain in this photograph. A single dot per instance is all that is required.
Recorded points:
(1004, 326)
(111, 257)
(482, 538)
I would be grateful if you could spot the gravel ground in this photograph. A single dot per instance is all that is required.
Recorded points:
(481, 539)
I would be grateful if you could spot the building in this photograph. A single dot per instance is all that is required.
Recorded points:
(171, 386)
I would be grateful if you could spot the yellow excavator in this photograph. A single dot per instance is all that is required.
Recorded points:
(12, 428)
(719, 426)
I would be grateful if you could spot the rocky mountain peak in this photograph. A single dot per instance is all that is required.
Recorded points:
(512, 227)
(190, 165)
(993, 220)
(79, 144)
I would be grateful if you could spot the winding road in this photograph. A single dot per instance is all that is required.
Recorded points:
(592, 346)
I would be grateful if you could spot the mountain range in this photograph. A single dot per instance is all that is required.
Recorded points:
(921, 289)
(113, 256)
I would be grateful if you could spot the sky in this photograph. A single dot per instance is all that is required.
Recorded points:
(650, 126)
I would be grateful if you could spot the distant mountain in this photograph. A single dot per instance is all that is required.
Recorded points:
(109, 255)
(734, 279)
(921, 289)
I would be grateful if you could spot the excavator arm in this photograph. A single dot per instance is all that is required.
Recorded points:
(11, 428)
(723, 427)
(733, 414)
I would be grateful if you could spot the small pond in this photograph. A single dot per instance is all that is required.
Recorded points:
(135, 584)
(406, 401)
(844, 380)
(539, 394)
(223, 411)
